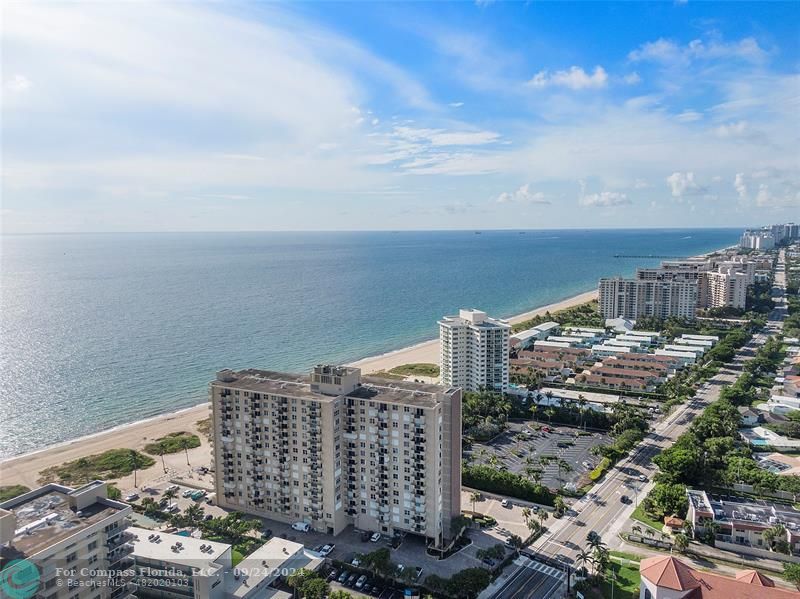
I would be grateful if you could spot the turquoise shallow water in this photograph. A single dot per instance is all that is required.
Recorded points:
(99, 330)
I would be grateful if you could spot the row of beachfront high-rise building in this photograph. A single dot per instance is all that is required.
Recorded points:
(335, 448)
(682, 287)
(766, 238)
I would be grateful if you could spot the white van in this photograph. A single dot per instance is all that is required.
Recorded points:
(301, 526)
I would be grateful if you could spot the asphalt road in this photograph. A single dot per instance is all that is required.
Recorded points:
(531, 579)
(601, 510)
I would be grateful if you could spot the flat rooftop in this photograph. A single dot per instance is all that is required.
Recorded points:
(299, 386)
(739, 509)
(261, 567)
(160, 547)
(46, 516)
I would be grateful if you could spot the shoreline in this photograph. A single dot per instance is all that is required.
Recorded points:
(25, 468)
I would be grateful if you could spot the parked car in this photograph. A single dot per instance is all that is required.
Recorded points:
(356, 562)
(643, 478)
(361, 581)
(488, 561)
(365, 536)
(505, 503)
(333, 574)
(326, 549)
(351, 579)
(173, 488)
(625, 499)
(187, 493)
(342, 577)
(173, 508)
(132, 497)
(266, 533)
(301, 526)
(375, 537)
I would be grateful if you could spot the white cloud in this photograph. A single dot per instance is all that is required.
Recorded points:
(688, 116)
(18, 83)
(523, 195)
(668, 52)
(788, 197)
(736, 129)
(632, 78)
(683, 184)
(603, 199)
(574, 78)
(740, 186)
(456, 104)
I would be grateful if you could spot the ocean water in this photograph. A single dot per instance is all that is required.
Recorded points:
(98, 330)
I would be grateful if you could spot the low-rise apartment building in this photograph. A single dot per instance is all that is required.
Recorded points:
(335, 448)
(741, 523)
(170, 565)
(72, 542)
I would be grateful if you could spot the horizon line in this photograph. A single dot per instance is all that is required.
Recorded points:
(453, 230)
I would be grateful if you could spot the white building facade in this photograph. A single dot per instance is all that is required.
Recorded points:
(474, 351)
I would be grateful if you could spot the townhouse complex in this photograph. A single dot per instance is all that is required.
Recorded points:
(474, 351)
(71, 542)
(337, 448)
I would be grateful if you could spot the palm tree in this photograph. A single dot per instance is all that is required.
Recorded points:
(474, 497)
(170, 494)
(534, 474)
(681, 542)
(493, 461)
(297, 579)
(636, 528)
(185, 447)
(543, 515)
(582, 406)
(194, 514)
(526, 514)
(584, 558)
(550, 411)
(161, 454)
(135, 466)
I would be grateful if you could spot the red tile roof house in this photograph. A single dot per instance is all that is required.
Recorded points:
(666, 577)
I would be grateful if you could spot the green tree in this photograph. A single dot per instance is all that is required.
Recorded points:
(681, 542)
(791, 572)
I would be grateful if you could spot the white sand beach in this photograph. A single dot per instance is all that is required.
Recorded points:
(25, 469)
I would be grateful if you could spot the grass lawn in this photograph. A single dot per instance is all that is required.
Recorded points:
(642, 516)
(236, 557)
(114, 463)
(626, 582)
(420, 369)
(173, 443)
(10, 491)
(625, 555)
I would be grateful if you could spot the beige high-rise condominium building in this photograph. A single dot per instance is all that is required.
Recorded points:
(474, 351)
(71, 543)
(633, 298)
(335, 448)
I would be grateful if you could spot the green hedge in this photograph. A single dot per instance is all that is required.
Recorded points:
(600, 470)
(503, 482)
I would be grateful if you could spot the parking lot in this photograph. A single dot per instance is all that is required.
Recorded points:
(572, 445)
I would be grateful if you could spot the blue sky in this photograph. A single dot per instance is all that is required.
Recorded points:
(269, 116)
